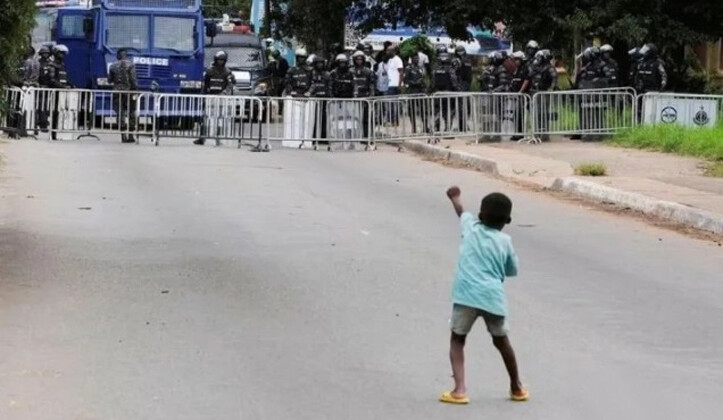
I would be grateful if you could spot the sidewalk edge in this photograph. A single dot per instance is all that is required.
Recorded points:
(666, 210)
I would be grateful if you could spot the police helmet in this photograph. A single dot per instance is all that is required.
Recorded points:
(368, 47)
(460, 50)
(220, 56)
(360, 47)
(300, 52)
(121, 52)
(496, 58)
(275, 53)
(519, 55)
(44, 50)
(358, 56)
(317, 59)
(634, 52)
(595, 52)
(60, 48)
(342, 58)
(649, 50)
(444, 57)
(532, 44)
(440, 49)
(607, 48)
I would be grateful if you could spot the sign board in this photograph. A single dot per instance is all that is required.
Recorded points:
(685, 111)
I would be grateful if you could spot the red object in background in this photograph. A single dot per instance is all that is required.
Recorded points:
(244, 29)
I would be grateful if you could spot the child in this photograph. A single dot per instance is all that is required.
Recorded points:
(486, 258)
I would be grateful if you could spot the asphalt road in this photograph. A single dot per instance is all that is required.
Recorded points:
(212, 283)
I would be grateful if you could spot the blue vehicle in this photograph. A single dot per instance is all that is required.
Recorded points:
(164, 38)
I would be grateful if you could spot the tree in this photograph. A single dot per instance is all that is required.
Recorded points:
(562, 25)
(318, 24)
(216, 8)
(16, 22)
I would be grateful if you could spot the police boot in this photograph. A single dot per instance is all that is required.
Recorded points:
(127, 139)
(199, 142)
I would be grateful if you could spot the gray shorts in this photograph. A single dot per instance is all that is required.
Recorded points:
(463, 317)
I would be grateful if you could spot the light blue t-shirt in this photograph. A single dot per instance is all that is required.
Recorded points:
(486, 257)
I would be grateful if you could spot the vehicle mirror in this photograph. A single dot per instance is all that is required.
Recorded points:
(211, 29)
(88, 26)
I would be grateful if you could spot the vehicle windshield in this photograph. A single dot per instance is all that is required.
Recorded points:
(128, 31)
(42, 32)
(174, 33)
(240, 57)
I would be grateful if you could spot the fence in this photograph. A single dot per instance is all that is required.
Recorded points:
(310, 122)
(219, 118)
(583, 112)
(13, 111)
(346, 123)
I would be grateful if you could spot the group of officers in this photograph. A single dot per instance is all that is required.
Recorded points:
(354, 75)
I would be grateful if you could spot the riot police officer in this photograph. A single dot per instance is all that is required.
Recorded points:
(46, 79)
(531, 49)
(444, 79)
(634, 58)
(519, 75)
(342, 78)
(651, 75)
(60, 79)
(219, 80)
(363, 82)
(122, 76)
(298, 78)
(320, 88)
(495, 78)
(414, 80)
(542, 78)
(464, 68)
(610, 66)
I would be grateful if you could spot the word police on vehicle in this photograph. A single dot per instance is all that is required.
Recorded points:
(155, 61)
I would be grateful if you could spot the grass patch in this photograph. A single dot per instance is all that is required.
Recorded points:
(591, 169)
(686, 141)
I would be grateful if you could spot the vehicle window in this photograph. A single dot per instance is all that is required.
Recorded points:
(72, 26)
(127, 31)
(174, 33)
(42, 32)
(243, 57)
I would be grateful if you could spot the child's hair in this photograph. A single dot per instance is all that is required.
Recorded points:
(495, 210)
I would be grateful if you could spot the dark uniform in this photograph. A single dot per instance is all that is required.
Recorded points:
(320, 88)
(414, 79)
(651, 75)
(517, 79)
(46, 78)
(219, 80)
(298, 80)
(60, 81)
(363, 83)
(444, 77)
(122, 76)
(543, 77)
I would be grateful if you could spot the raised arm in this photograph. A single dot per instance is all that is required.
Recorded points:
(454, 194)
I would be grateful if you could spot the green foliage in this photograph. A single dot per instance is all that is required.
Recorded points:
(17, 18)
(415, 44)
(315, 24)
(688, 141)
(591, 169)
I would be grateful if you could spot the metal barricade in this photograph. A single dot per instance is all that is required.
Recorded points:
(453, 115)
(13, 111)
(399, 118)
(210, 117)
(498, 114)
(684, 109)
(595, 112)
(77, 113)
(311, 122)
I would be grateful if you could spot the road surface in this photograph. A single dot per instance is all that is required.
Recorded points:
(182, 282)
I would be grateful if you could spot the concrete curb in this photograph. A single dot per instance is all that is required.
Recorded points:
(666, 210)
(467, 159)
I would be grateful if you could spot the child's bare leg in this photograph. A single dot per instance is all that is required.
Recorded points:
(508, 355)
(456, 357)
